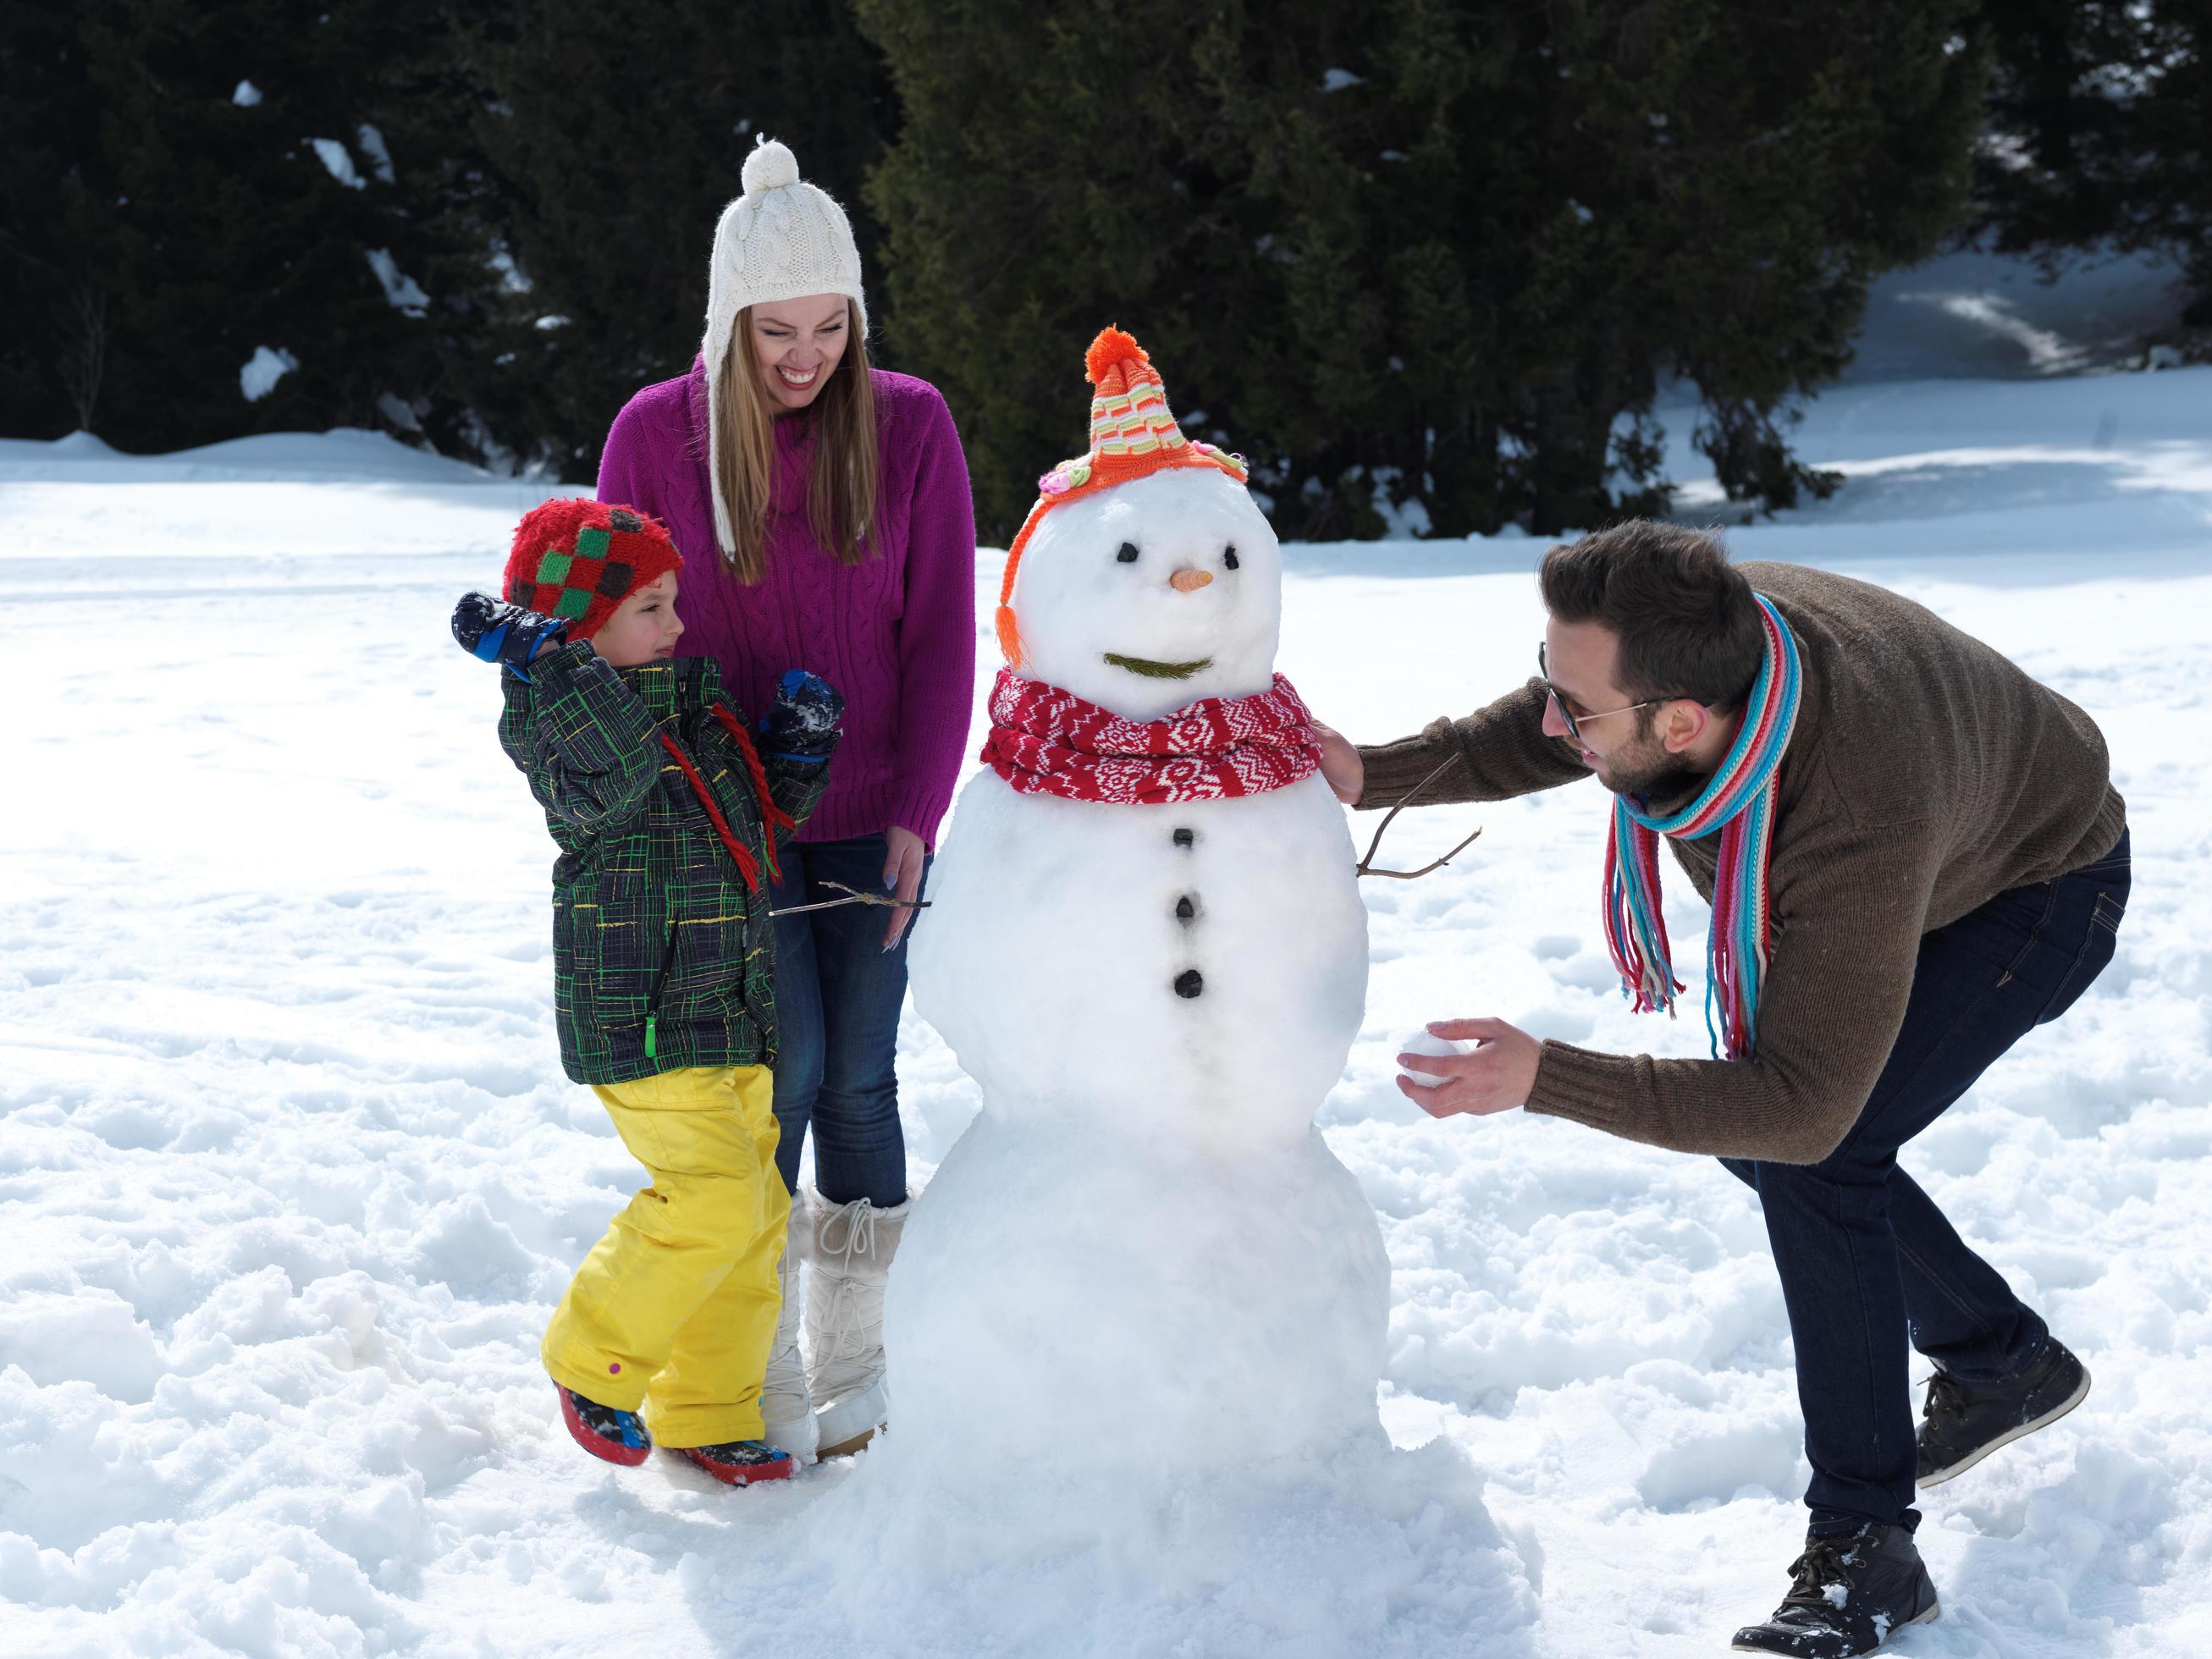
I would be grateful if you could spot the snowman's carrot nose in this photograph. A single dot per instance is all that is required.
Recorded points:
(1189, 582)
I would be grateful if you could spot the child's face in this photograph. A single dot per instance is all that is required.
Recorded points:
(644, 627)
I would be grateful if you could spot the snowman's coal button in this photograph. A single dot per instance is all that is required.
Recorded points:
(1184, 909)
(1189, 983)
(1184, 838)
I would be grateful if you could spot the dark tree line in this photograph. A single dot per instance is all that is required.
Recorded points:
(1423, 261)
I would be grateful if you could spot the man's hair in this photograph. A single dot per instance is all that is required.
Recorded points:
(1688, 624)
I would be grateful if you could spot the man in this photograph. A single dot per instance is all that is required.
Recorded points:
(1915, 855)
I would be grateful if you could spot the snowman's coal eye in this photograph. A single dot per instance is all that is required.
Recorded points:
(1128, 553)
(1229, 559)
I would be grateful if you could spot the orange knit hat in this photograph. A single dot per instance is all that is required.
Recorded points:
(1131, 432)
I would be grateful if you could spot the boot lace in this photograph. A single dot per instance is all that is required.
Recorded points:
(860, 1219)
(1818, 1572)
(1945, 1397)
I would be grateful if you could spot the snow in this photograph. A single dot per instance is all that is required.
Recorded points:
(401, 292)
(1972, 314)
(339, 162)
(379, 153)
(261, 371)
(289, 1178)
(246, 94)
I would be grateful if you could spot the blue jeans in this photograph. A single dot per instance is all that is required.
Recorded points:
(838, 993)
(1869, 1267)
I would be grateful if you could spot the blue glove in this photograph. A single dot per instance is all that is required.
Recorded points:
(506, 634)
(802, 723)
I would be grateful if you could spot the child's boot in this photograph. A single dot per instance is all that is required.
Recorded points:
(617, 1436)
(786, 1407)
(740, 1462)
(852, 1248)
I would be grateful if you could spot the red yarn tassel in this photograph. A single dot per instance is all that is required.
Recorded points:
(746, 865)
(773, 817)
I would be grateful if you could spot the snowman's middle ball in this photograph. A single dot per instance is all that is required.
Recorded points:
(1125, 633)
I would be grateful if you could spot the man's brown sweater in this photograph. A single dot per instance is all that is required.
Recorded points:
(1926, 774)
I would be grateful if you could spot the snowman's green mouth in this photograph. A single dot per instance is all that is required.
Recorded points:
(1158, 670)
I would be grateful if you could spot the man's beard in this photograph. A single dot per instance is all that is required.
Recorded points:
(1646, 771)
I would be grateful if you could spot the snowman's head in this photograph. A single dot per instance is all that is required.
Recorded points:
(1152, 594)
(1145, 578)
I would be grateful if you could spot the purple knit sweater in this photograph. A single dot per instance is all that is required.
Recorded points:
(894, 633)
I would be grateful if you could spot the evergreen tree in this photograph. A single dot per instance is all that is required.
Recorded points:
(1431, 257)
(2099, 131)
(614, 139)
(53, 351)
(206, 191)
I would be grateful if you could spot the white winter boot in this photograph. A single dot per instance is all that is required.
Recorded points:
(852, 1246)
(787, 1408)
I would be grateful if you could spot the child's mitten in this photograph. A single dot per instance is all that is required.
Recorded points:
(801, 724)
(505, 632)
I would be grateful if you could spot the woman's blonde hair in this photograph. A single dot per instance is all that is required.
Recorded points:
(841, 481)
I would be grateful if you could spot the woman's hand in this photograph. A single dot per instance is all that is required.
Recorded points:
(901, 879)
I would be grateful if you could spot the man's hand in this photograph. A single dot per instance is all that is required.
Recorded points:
(902, 877)
(1496, 1077)
(1340, 764)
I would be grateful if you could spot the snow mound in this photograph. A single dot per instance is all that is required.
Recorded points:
(341, 454)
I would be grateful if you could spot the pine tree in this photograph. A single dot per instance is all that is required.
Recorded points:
(2099, 132)
(214, 195)
(1430, 259)
(614, 139)
(53, 353)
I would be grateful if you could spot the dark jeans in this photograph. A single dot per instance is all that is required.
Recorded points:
(838, 993)
(1869, 1265)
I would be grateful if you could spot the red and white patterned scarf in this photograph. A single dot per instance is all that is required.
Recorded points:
(1047, 741)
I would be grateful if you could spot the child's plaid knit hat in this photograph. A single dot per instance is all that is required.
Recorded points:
(577, 560)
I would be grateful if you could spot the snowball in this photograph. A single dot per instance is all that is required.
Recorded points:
(1422, 1040)
(258, 377)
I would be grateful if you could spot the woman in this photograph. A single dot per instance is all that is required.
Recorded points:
(822, 511)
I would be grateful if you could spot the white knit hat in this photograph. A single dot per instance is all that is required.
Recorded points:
(784, 239)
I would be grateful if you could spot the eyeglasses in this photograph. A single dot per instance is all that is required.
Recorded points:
(1574, 721)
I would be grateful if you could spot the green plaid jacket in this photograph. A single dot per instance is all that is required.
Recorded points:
(653, 927)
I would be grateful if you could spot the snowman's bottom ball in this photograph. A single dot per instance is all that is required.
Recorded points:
(1077, 1301)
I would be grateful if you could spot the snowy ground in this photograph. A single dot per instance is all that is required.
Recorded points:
(289, 1176)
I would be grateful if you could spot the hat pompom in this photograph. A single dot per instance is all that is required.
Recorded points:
(1111, 346)
(770, 166)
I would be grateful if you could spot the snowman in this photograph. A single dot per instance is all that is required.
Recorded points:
(1141, 1262)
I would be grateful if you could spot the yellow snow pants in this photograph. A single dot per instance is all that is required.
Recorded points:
(674, 1311)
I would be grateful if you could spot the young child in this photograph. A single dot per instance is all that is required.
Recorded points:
(667, 817)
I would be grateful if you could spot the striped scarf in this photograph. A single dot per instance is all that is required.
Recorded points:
(1739, 803)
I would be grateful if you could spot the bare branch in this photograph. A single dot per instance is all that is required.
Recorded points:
(856, 897)
(1366, 866)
